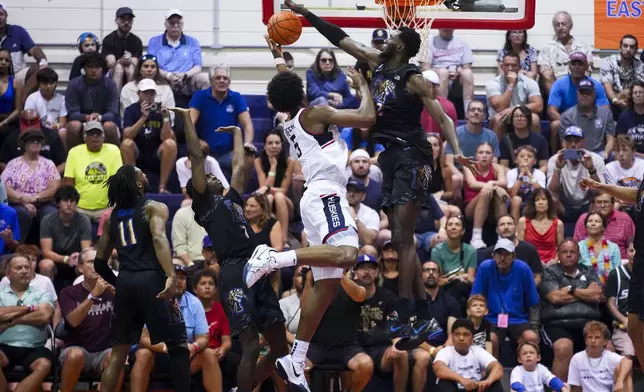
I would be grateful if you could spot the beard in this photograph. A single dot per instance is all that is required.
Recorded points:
(431, 283)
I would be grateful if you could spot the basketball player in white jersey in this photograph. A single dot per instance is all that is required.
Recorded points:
(329, 227)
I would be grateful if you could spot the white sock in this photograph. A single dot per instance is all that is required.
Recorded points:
(477, 234)
(298, 353)
(286, 259)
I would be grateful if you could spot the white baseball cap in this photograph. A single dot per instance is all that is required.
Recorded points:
(174, 11)
(359, 153)
(431, 76)
(147, 85)
(504, 244)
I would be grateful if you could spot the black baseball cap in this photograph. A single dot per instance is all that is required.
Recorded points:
(124, 11)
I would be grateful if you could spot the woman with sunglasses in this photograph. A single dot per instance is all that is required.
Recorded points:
(326, 84)
(516, 41)
(148, 68)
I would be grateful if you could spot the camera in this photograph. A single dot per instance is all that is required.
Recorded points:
(155, 107)
(304, 271)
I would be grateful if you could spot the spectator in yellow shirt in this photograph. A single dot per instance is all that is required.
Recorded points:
(88, 166)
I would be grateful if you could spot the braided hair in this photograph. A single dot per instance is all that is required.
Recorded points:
(122, 189)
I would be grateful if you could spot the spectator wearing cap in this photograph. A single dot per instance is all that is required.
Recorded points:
(366, 218)
(187, 236)
(554, 58)
(452, 59)
(89, 165)
(178, 56)
(465, 366)
(148, 138)
(513, 301)
(86, 42)
(379, 303)
(63, 235)
(219, 106)
(572, 294)
(18, 42)
(150, 356)
(565, 171)
(147, 68)
(520, 134)
(620, 71)
(48, 103)
(87, 310)
(52, 145)
(31, 181)
(92, 97)
(389, 267)
(509, 90)
(122, 49)
(363, 171)
(210, 258)
(563, 95)
(378, 39)
(426, 120)
(596, 121)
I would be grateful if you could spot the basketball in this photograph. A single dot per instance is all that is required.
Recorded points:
(284, 28)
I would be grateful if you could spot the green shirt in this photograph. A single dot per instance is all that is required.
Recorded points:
(21, 335)
(450, 262)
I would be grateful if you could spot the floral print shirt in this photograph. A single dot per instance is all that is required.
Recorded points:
(19, 176)
(613, 72)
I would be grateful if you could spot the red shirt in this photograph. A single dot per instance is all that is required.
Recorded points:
(430, 125)
(217, 325)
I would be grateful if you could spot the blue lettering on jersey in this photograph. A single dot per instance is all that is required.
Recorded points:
(333, 213)
(125, 212)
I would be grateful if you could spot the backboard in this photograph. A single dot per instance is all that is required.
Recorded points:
(456, 14)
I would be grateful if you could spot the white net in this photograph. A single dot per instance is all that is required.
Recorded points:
(416, 14)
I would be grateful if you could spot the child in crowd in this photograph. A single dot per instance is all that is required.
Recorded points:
(49, 104)
(523, 179)
(476, 312)
(530, 375)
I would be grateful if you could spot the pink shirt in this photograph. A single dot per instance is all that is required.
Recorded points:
(620, 229)
(430, 125)
(19, 176)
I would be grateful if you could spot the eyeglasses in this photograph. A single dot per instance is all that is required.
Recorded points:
(476, 109)
(637, 93)
(430, 270)
(519, 116)
(326, 60)
(177, 23)
(517, 33)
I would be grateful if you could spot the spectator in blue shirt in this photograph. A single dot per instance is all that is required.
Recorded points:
(150, 356)
(92, 97)
(17, 40)
(513, 301)
(326, 84)
(219, 106)
(9, 229)
(179, 56)
(563, 94)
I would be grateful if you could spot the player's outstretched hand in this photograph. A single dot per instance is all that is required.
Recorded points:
(275, 48)
(588, 183)
(467, 162)
(180, 111)
(170, 287)
(298, 9)
(357, 80)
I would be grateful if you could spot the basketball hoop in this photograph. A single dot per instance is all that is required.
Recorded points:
(415, 14)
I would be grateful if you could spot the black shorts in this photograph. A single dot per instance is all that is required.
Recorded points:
(256, 307)
(376, 353)
(406, 173)
(337, 355)
(514, 331)
(574, 333)
(636, 287)
(136, 304)
(25, 356)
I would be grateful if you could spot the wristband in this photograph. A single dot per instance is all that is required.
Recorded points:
(43, 62)
(30, 308)
(65, 259)
(91, 297)
(196, 346)
(432, 351)
(279, 61)
(271, 174)
(509, 88)
(614, 100)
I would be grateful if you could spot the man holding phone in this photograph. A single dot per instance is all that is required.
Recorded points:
(148, 139)
(567, 168)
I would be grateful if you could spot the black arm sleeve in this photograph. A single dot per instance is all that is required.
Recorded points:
(105, 271)
(330, 31)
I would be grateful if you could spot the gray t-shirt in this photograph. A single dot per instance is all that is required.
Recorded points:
(66, 239)
(524, 89)
(596, 126)
(570, 194)
(444, 54)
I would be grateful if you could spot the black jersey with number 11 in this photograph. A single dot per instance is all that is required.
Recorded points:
(398, 111)
(130, 233)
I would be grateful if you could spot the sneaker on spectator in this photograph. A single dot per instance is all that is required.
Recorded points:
(478, 243)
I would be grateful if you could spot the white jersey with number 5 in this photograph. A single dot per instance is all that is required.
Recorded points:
(323, 157)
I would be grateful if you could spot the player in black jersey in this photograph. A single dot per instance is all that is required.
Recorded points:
(136, 228)
(634, 196)
(400, 93)
(220, 212)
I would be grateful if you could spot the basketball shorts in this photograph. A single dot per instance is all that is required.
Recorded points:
(257, 307)
(136, 304)
(406, 173)
(636, 286)
(327, 220)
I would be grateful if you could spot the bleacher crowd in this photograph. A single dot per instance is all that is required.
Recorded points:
(517, 237)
